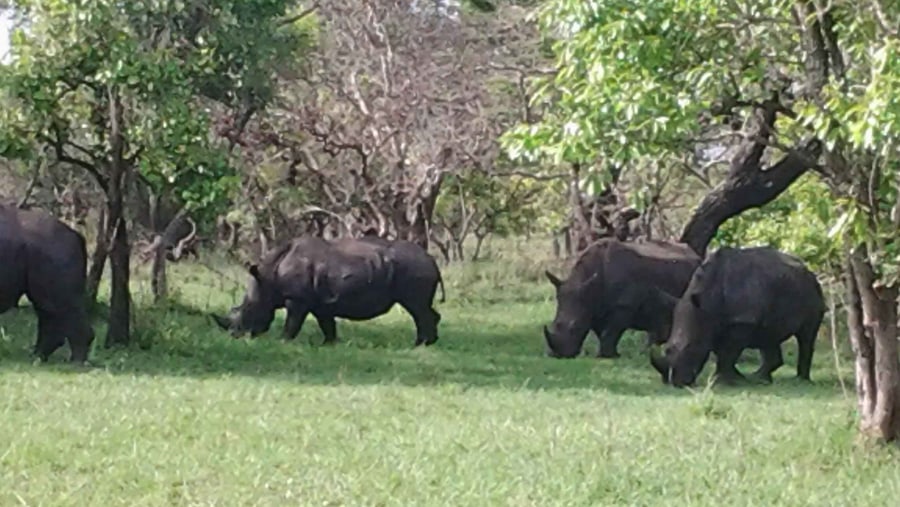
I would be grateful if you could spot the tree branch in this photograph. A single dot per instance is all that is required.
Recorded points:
(748, 184)
(59, 148)
(30, 188)
(298, 17)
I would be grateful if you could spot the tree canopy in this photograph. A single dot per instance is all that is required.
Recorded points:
(771, 90)
(123, 90)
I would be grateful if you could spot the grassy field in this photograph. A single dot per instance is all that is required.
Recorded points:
(189, 416)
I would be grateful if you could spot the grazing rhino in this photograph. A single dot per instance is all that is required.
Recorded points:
(752, 298)
(350, 278)
(615, 286)
(45, 260)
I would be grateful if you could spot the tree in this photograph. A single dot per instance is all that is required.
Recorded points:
(396, 97)
(113, 90)
(475, 204)
(771, 87)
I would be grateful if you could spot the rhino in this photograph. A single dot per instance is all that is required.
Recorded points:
(45, 260)
(349, 278)
(742, 298)
(615, 286)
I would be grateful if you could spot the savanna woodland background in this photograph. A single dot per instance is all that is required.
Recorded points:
(183, 138)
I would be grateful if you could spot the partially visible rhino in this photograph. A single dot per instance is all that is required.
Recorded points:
(615, 286)
(45, 260)
(749, 298)
(356, 279)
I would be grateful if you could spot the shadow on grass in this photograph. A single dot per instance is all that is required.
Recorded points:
(476, 349)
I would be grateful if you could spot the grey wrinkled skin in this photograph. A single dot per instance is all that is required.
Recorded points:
(349, 278)
(615, 286)
(751, 298)
(46, 261)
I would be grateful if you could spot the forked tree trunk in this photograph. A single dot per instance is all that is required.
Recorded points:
(872, 322)
(119, 330)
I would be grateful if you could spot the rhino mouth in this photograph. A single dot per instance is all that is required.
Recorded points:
(553, 351)
(672, 375)
(227, 324)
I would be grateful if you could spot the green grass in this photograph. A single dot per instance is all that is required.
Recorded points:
(189, 416)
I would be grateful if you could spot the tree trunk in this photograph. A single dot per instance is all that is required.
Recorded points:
(579, 226)
(160, 247)
(119, 330)
(158, 281)
(872, 321)
(460, 251)
(479, 242)
(98, 258)
(443, 247)
(415, 228)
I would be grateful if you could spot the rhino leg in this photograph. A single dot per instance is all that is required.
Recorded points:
(431, 331)
(728, 354)
(81, 336)
(612, 334)
(806, 343)
(50, 337)
(426, 320)
(328, 327)
(771, 361)
(296, 316)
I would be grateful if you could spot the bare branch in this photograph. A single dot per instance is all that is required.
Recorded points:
(528, 175)
(293, 19)
(32, 183)
(883, 22)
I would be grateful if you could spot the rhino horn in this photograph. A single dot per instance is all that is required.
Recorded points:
(223, 322)
(553, 278)
(661, 365)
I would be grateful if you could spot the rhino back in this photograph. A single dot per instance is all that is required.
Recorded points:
(619, 266)
(360, 265)
(412, 262)
(290, 267)
(346, 266)
(763, 286)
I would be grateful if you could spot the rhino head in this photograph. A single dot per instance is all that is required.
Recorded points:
(566, 334)
(689, 344)
(256, 312)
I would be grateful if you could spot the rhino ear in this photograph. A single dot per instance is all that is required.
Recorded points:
(254, 271)
(553, 279)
